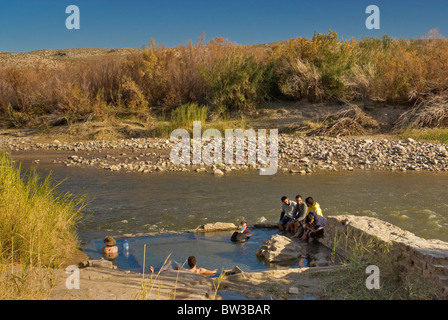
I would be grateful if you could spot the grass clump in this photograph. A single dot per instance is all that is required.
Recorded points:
(184, 115)
(37, 230)
(437, 135)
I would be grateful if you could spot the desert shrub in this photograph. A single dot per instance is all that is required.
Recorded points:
(314, 69)
(333, 60)
(132, 96)
(238, 82)
(299, 80)
(227, 77)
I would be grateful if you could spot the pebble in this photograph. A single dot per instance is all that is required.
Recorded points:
(297, 155)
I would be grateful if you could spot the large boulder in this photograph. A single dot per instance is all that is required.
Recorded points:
(279, 248)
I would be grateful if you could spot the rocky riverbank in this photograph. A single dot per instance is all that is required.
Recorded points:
(297, 154)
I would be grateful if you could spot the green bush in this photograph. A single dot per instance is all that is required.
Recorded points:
(238, 82)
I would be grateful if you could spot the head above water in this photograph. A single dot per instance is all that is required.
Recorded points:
(192, 261)
(109, 241)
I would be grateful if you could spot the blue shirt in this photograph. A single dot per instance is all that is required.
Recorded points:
(319, 221)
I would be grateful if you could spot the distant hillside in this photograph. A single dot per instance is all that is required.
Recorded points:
(54, 57)
(49, 58)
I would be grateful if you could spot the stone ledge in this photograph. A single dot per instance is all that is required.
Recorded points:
(412, 253)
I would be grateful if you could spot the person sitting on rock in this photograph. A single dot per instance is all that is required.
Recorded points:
(314, 226)
(289, 210)
(193, 268)
(296, 227)
(313, 206)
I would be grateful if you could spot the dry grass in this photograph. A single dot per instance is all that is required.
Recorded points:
(347, 122)
(428, 112)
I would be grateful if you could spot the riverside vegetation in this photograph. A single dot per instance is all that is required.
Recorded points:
(37, 231)
(161, 88)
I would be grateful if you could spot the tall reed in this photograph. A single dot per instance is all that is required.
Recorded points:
(37, 226)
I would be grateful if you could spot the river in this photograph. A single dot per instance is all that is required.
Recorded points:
(123, 203)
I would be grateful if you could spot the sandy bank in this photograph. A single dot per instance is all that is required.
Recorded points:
(105, 283)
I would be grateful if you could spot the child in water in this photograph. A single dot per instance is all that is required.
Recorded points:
(242, 233)
(242, 228)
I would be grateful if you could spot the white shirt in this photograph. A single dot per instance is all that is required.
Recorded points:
(290, 211)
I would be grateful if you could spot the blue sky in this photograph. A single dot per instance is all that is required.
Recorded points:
(27, 25)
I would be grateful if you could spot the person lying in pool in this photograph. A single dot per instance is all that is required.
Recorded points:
(193, 267)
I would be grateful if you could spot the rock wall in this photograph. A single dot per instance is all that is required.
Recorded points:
(412, 254)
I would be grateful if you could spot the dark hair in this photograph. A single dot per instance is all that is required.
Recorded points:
(298, 196)
(284, 198)
(309, 216)
(191, 261)
(309, 200)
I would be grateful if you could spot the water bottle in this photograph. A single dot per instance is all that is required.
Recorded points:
(126, 245)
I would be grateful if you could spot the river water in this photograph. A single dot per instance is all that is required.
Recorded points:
(133, 202)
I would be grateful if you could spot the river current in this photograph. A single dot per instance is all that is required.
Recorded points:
(121, 203)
